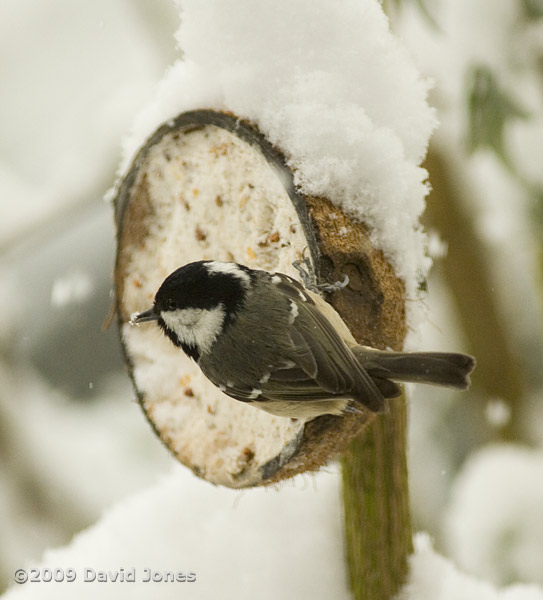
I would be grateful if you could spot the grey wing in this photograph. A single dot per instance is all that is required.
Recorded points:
(319, 364)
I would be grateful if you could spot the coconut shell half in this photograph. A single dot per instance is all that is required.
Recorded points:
(208, 185)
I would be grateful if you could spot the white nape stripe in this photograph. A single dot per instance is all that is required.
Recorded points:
(255, 393)
(215, 266)
(196, 326)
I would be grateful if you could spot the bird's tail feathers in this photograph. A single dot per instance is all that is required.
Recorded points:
(447, 369)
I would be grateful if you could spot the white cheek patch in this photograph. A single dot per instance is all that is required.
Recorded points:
(195, 326)
(215, 266)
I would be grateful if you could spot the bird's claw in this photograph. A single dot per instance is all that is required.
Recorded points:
(307, 274)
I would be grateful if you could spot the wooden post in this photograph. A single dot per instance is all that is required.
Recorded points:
(376, 501)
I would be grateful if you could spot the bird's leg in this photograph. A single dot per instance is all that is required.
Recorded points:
(307, 274)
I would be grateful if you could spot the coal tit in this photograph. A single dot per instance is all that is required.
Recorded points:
(265, 339)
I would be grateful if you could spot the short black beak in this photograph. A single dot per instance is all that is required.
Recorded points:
(142, 317)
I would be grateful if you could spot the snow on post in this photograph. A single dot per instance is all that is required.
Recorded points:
(332, 88)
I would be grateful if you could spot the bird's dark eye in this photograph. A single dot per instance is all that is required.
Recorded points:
(171, 304)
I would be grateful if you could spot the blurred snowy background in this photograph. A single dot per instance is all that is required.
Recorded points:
(73, 441)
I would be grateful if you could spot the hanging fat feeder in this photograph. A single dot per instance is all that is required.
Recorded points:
(207, 185)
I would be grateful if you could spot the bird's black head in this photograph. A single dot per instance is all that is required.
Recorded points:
(205, 285)
(197, 301)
